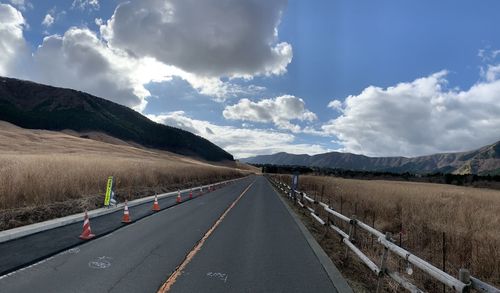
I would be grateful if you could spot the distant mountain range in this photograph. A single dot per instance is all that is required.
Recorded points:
(37, 106)
(485, 160)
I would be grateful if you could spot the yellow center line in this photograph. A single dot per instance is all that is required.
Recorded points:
(178, 271)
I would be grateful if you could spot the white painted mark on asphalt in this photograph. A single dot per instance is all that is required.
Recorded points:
(74, 250)
(71, 251)
(220, 276)
(102, 262)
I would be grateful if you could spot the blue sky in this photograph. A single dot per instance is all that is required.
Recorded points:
(370, 77)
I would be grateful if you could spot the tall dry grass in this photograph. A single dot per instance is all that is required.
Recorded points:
(419, 215)
(43, 179)
(45, 174)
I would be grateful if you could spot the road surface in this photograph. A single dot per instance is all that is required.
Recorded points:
(255, 247)
(24, 251)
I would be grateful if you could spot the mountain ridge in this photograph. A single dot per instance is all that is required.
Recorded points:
(37, 106)
(484, 160)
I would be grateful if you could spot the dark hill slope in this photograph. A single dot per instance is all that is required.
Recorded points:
(37, 106)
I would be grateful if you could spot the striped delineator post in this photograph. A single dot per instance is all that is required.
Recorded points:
(87, 232)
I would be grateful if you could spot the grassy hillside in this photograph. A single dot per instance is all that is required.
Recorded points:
(37, 106)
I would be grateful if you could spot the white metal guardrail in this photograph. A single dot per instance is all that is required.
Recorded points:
(464, 282)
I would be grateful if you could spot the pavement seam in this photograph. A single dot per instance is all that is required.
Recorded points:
(178, 271)
(331, 270)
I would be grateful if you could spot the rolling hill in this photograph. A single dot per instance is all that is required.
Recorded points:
(36, 106)
(485, 160)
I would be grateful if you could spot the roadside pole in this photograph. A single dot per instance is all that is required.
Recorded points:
(295, 185)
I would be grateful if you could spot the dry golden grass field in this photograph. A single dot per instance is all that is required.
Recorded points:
(45, 174)
(468, 219)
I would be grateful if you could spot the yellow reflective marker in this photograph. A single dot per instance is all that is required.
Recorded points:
(109, 189)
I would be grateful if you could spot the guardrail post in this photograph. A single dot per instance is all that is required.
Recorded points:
(373, 226)
(355, 228)
(328, 221)
(464, 277)
(383, 263)
(443, 242)
(352, 227)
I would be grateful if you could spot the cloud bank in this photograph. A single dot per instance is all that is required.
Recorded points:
(206, 43)
(420, 117)
(279, 111)
(209, 38)
(241, 142)
(79, 60)
(13, 50)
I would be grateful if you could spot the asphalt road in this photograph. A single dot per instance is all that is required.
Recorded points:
(26, 250)
(257, 247)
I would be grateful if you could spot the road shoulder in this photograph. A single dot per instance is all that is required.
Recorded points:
(333, 273)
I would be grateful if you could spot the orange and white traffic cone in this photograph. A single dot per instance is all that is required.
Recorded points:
(87, 232)
(126, 216)
(156, 205)
(191, 194)
(179, 198)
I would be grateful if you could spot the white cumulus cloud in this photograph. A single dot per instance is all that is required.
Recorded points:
(86, 4)
(209, 38)
(79, 59)
(279, 111)
(48, 20)
(106, 66)
(22, 4)
(420, 117)
(13, 49)
(335, 104)
(241, 142)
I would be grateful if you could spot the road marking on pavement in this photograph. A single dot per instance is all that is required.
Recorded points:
(102, 262)
(178, 271)
(74, 250)
(220, 276)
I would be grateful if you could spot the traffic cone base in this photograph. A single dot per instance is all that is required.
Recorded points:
(86, 236)
(126, 215)
(87, 232)
(179, 199)
(156, 205)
